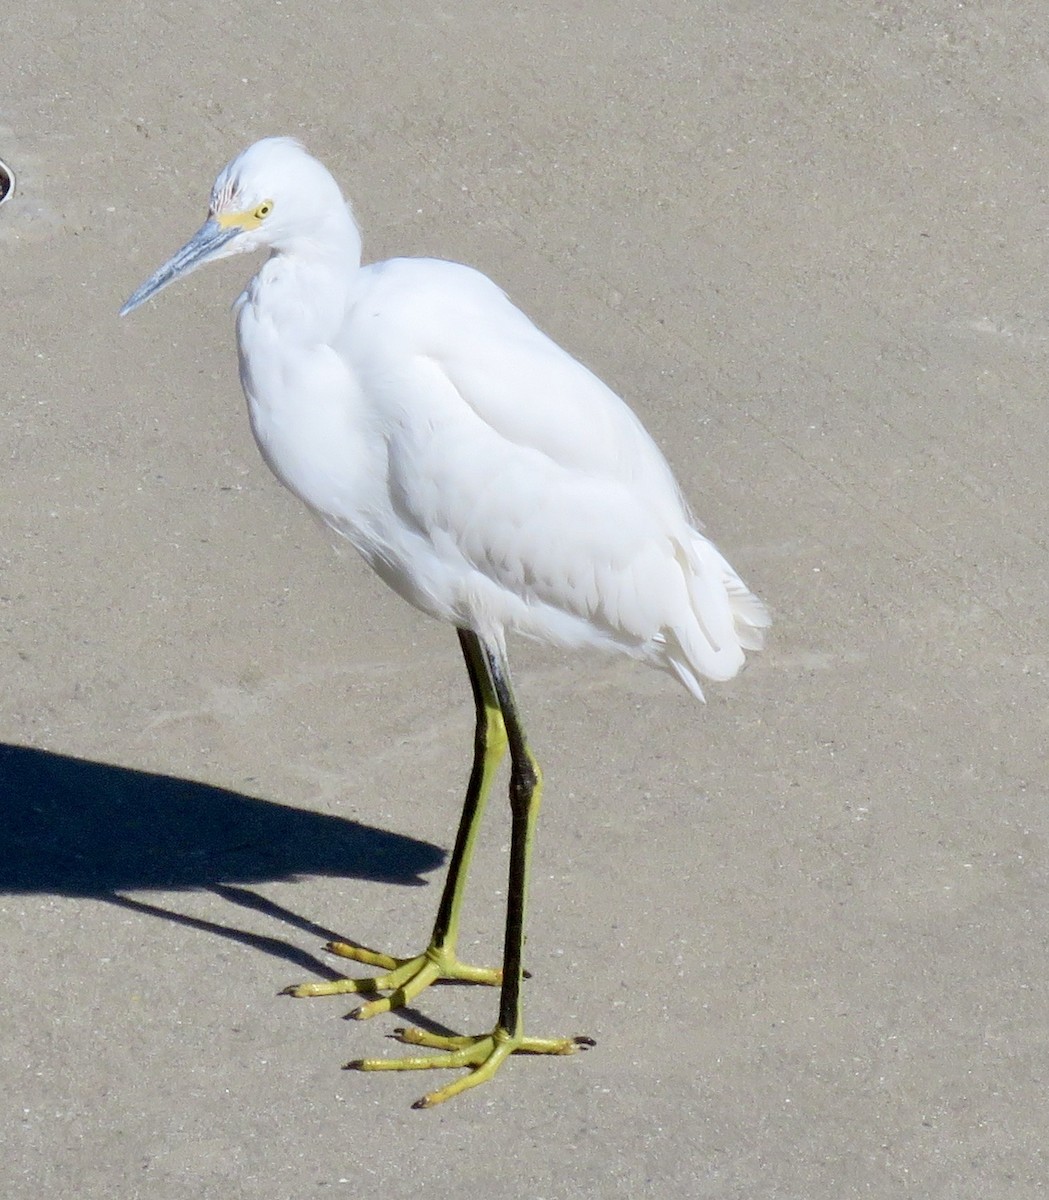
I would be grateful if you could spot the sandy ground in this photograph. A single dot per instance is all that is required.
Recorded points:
(806, 923)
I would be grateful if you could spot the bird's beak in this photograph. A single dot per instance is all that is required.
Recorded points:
(203, 246)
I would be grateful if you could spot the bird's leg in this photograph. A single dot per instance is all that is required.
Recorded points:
(405, 978)
(484, 1054)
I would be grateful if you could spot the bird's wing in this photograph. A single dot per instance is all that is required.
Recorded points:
(530, 482)
(512, 376)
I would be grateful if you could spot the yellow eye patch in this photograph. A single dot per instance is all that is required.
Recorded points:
(248, 219)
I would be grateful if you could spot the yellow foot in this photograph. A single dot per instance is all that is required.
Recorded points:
(483, 1055)
(404, 978)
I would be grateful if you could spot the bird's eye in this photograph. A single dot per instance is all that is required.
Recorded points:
(263, 210)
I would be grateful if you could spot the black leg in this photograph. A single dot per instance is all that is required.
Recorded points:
(490, 741)
(526, 787)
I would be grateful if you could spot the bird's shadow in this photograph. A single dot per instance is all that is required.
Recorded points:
(73, 827)
(80, 828)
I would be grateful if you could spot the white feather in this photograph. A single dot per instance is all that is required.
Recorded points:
(488, 477)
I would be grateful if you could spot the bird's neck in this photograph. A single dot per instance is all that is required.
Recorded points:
(334, 241)
(302, 292)
(304, 288)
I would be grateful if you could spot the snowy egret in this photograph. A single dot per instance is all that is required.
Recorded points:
(490, 479)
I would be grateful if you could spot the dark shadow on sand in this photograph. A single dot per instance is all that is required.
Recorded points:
(78, 828)
(72, 827)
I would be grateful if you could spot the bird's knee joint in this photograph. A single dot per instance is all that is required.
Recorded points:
(526, 783)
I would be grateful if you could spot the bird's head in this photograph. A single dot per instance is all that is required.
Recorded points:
(270, 196)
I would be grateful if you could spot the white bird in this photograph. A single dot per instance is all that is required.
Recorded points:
(489, 478)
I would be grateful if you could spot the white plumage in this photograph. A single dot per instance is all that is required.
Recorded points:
(487, 476)
(491, 479)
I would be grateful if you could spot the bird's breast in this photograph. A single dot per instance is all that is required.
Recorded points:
(310, 422)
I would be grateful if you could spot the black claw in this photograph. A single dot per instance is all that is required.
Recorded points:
(584, 1042)
(353, 1065)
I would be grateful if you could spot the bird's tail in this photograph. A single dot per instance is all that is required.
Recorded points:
(729, 619)
(750, 617)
